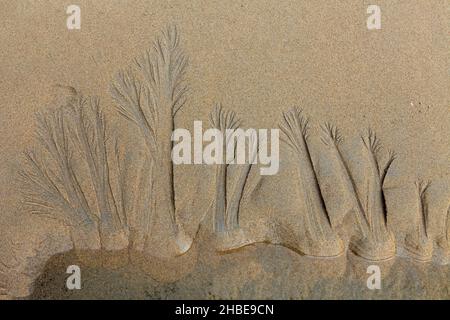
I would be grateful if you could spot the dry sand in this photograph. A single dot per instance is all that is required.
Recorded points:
(258, 58)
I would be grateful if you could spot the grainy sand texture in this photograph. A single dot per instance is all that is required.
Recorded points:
(358, 208)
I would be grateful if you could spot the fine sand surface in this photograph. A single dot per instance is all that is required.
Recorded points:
(259, 272)
(344, 198)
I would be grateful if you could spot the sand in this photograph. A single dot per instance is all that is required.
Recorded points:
(342, 193)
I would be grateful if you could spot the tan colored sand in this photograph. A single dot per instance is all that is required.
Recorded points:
(258, 58)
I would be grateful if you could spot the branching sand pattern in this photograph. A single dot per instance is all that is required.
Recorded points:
(226, 204)
(151, 104)
(321, 238)
(78, 176)
(72, 137)
(419, 244)
(375, 241)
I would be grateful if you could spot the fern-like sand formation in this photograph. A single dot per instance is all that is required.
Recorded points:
(78, 174)
(321, 240)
